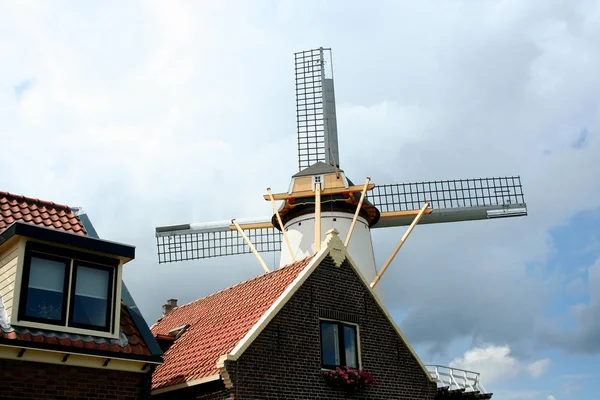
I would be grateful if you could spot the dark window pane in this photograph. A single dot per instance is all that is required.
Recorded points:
(350, 346)
(330, 344)
(91, 296)
(45, 289)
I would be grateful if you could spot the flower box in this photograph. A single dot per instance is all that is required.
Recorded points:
(349, 379)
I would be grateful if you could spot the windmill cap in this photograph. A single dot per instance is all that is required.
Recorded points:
(318, 168)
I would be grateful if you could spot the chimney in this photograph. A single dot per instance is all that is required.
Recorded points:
(171, 304)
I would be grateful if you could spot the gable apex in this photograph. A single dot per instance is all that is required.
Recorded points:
(337, 250)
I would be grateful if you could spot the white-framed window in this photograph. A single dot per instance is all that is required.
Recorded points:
(317, 180)
(67, 288)
(339, 344)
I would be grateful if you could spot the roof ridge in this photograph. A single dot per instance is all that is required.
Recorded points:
(35, 200)
(243, 282)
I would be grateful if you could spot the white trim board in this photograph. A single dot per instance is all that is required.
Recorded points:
(183, 385)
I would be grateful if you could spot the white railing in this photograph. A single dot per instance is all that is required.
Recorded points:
(456, 378)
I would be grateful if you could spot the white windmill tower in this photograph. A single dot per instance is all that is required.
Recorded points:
(320, 196)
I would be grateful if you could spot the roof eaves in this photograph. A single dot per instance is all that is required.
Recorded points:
(67, 238)
(317, 168)
(77, 350)
(186, 384)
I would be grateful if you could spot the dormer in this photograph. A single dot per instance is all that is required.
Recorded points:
(63, 281)
(62, 299)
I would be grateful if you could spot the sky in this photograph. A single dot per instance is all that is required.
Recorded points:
(159, 113)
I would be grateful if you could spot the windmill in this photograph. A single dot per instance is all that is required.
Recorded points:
(321, 196)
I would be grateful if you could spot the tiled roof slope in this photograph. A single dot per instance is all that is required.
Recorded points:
(38, 212)
(217, 323)
(130, 341)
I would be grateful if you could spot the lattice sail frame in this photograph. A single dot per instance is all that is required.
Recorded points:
(451, 201)
(190, 245)
(458, 193)
(316, 120)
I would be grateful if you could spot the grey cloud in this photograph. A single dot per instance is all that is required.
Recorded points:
(585, 338)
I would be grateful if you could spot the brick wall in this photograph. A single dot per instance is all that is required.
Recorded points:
(284, 362)
(30, 380)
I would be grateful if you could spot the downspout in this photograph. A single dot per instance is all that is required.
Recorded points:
(147, 387)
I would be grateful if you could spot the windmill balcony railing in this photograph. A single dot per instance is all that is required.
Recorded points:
(456, 378)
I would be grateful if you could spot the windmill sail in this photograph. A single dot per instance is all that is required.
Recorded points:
(214, 239)
(451, 200)
(315, 109)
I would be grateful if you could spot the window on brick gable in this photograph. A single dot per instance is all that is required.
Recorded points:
(339, 344)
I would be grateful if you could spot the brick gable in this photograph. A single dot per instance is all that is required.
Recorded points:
(284, 361)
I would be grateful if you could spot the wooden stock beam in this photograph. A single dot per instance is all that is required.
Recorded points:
(360, 202)
(391, 257)
(256, 225)
(324, 192)
(249, 243)
(285, 236)
(405, 213)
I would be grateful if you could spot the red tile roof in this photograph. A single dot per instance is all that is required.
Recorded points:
(135, 344)
(38, 212)
(217, 323)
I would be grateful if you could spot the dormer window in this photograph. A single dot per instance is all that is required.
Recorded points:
(45, 299)
(91, 299)
(67, 288)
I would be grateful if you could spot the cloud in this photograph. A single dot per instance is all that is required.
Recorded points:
(538, 368)
(518, 394)
(584, 337)
(550, 398)
(496, 364)
(493, 363)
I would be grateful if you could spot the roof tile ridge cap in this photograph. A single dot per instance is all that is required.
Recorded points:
(287, 266)
(35, 200)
